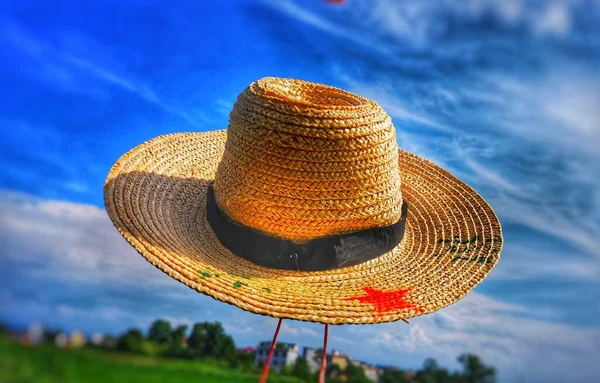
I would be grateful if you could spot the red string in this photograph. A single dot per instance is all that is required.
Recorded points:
(324, 357)
(265, 373)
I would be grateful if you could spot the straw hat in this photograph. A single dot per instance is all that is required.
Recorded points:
(304, 208)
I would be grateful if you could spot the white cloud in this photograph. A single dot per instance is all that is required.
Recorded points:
(41, 310)
(392, 105)
(416, 338)
(548, 220)
(96, 313)
(555, 20)
(522, 348)
(574, 102)
(466, 148)
(73, 241)
(175, 322)
(77, 187)
(239, 326)
(529, 262)
(91, 317)
(298, 331)
(379, 25)
(560, 108)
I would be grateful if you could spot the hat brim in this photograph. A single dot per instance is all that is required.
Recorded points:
(156, 197)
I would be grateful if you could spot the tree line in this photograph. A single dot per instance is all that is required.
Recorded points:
(205, 340)
(473, 370)
(209, 340)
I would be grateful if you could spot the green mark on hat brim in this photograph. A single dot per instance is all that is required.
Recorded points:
(206, 274)
(239, 276)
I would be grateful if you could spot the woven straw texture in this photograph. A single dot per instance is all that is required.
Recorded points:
(304, 160)
(300, 161)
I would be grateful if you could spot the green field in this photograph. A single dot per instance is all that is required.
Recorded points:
(47, 364)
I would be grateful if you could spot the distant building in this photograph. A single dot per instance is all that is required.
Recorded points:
(77, 340)
(35, 334)
(110, 342)
(339, 359)
(61, 340)
(313, 356)
(247, 350)
(97, 339)
(285, 354)
(371, 372)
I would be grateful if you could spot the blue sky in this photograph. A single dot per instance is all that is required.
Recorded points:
(503, 94)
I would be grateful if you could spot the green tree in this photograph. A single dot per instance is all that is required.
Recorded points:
(430, 365)
(50, 335)
(110, 342)
(178, 336)
(152, 348)
(209, 339)
(394, 376)
(245, 361)
(318, 356)
(474, 371)
(287, 370)
(433, 373)
(301, 369)
(355, 374)
(131, 341)
(333, 372)
(160, 332)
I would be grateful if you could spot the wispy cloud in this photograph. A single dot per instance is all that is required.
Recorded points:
(380, 25)
(290, 8)
(534, 169)
(529, 262)
(69, 71)
(531, 153)
(140, 89)
(300, 331)
(224, 106)
(559, 108)
(77, 187)
(388, 99)
(523, 199)
(555, 20)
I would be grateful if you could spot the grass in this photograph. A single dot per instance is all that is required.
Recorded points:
(46, 364)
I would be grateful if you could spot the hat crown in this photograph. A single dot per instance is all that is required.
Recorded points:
(305, 160)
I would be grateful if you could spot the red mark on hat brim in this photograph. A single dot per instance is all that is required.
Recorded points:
(385, 301)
